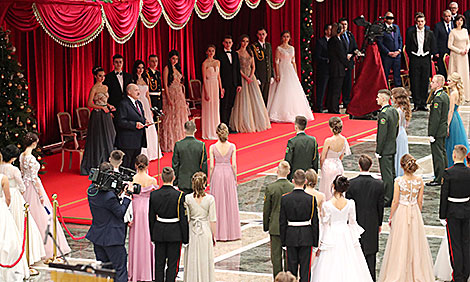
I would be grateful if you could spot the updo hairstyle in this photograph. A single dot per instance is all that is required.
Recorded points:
(341, 184)
(312, 178)
(408, 163)
(222, 132)
(336, 125)
(141, 162)
(199, 181)
(10, 152)
(30, 138)
(96, 70)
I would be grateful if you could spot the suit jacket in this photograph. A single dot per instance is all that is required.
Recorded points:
(320, 54)
(437, 125)
(412, 41)
(116, 93)
(107, 227)
(350, 47)
(298, 206)
(368, 193)
(456, 185)
(467, 19)
(189, 157)
(167, 202)
(263, 61)
(302, 153)
(272, 204)
(387, 131)
(390, 43)
(442, 37)
(229, 72)
(127, 135)
(337, 56)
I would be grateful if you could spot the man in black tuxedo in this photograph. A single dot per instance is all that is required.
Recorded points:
(320, 54)
(231, 78)
(117, 81)
(155, 82)
(130, 133)
(168, 227)
(420, 45)
(454, 211)
(368, 193)
(350, 45)
(337, 68)
(390, 46)
(441, 33)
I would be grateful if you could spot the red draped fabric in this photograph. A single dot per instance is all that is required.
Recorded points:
(228, 8)
(252, 3)
(151, 13)
(21, 16)
(203, 8)
(177, 12)
(121, 19)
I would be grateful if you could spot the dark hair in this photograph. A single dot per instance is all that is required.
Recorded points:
(167, 174)
(468, 158)
(228, 36)
(190, 126)
(117, 155)
(365, 162)
(327, 26)
(312, 178)
(30, 138)
(284, 32)
(211, 46)
(260, 29)
(141, 162)
(153, 56)
(170, 68)
(222, 132)
(96, 70)
(117, 56)
(199, 181)
(336, 125)
(10, 152)
(299, 177)
(341, 184)
(342, 19)
(105, 166)
(137, 63)
(408, 163)
(240, 43)
(458, 17)
(301, 122)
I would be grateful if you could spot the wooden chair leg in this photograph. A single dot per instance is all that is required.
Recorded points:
(62, 166)
(70, 161)
(81, 158)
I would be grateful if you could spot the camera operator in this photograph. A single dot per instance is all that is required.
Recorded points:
(108, 229)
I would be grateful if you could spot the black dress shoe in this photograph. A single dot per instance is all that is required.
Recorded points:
(415, 109)
(433, 183)
(424, 109)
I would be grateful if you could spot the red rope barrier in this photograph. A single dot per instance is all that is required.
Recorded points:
(65, 227)
(22, 249)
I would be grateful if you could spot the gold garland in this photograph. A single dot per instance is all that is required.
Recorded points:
(225, 15)
(125, 38)
(251, 5)
(275, 6)
(168, 20)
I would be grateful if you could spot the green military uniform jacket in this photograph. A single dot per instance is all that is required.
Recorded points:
(437, 126)
(272, 204)
(302, 153)
(263, 61)
(189, 157)
(387, 131)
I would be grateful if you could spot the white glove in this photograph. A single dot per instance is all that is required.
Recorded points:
(284, 248)
(185, 245)
(272, 80)
(377, 156)
(443, 222)
(259, 81)
(431, 139)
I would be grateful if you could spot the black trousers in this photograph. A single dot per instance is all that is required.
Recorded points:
(371, 261)
(441, 69)
(458, 235)
(300, 256)
(156, 101)
(129, 157)
(167, 253)
(439, 158)
(265, 90)
(387, 170)
(334, 93)
(420, 69)
(394, 64)
(347, 86)
(322, 83)
(226, 104)
(117, 256)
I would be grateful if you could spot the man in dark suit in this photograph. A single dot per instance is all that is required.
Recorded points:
(231, 78)
(368, 193)
(271, 210)
(337, 68)
(390, 46)
(350, 45)
(117, 81)
(320, 54)
(108, 229)
(130, 133)
(302, 150)
(441, 33)
(420, 45)
(154, 79)
(168, 227)
(189, 157)
(298, 223)
(437, 128)
(263, 54)
(454, 211)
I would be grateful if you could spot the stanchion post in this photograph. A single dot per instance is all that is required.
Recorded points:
(54, 223)
(158, 150)
(32, 271)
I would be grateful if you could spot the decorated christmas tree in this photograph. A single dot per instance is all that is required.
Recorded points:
(306, 35)
(16, 115)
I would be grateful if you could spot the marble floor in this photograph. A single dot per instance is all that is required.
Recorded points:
(249, 258)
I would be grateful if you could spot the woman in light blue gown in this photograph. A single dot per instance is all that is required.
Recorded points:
(401, 100)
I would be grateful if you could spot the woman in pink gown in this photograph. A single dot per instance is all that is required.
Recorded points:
(210, 95)
(141, 248)
(223, 165)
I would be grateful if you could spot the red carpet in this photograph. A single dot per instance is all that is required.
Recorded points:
(256, 152)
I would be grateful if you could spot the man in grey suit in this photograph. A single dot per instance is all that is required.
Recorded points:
(263, 55)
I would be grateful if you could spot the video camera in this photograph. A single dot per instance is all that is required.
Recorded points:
(113, 180)
(373, 30)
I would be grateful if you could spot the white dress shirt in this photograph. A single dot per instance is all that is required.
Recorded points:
(229, 55)
(263, 45)
(420, 37)
(120, 78)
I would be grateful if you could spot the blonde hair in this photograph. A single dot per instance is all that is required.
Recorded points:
(401, 96)
(312, 178)
(222, 132)
(285, 277)
(457, 79)
(284, 168)
(199, 181)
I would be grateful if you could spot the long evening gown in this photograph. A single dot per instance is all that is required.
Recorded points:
(210, 116)
(10, 245)
(249, 113)
(141, 249)
(341, 258)
(442, 267)
(152, 151)
(36, 247)
(287, 98)
(332, 167)
(407, 255)
(175, 115)
(402, 142)
(199, 255)
(34, 190)
(100, 136)
(458, 40)
(457, 135)
(224, 188)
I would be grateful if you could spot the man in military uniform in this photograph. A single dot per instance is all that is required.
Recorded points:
(155, 82)
(263, 54)
(387, 131)
(298, 223)
(454, 212)
(437, 128)
(302, 150)
(168, 227)
(271, 210)
(189, 157)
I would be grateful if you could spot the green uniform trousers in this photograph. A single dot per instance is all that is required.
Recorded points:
(277, 253)
(387, 170)
(439, 158)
